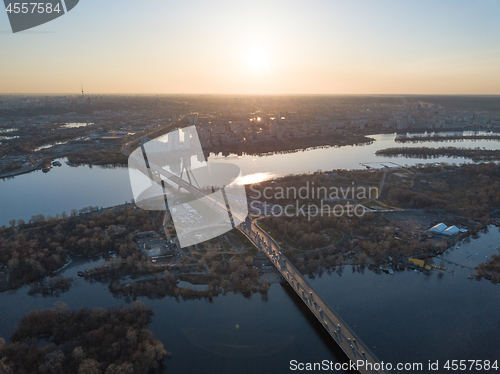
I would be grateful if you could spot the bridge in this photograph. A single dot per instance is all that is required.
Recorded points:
(347, 340)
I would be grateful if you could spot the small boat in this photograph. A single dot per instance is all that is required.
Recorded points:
(81, 273)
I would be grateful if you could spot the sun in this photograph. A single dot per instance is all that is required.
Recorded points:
(257, 58)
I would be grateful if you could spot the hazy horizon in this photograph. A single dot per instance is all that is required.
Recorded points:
(229, 94)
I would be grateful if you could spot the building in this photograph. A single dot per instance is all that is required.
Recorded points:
(438, 229)
(452, 230)
(417, 262)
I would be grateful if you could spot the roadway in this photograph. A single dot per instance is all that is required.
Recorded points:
(24, 170)
(347, 340)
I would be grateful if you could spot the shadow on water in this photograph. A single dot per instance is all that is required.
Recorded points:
(337, 353)
(235, 343)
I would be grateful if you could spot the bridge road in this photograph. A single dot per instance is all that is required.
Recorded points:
(347, 340)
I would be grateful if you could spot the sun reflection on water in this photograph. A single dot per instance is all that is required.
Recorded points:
(255, 178)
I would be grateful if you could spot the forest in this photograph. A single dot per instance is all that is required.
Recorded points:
(476, 154)
(491, 269)
(98, 158)
(36, 249)
(52, 286)
(444, 138)
(88, 341)
(312, 188)
(468, 195)
(469, 190)
(10, 167)
(292, 144)
(371, 239)
(31, 138)
(32, 251)
(222, 277)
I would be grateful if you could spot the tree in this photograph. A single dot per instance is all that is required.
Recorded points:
(53, 363)
(78, 354)
(125, 368)
(249, 261)
(89, 366)
(5, 368)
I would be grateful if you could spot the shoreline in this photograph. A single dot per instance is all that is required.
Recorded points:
(269, 147)
(21, 171)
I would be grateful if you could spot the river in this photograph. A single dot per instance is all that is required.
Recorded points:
(405, 317)
(66, 187)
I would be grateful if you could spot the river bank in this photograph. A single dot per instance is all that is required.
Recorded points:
(277, 328)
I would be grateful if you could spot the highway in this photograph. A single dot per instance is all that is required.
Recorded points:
(347, 340)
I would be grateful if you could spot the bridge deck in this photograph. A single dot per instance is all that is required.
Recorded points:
(347, 340)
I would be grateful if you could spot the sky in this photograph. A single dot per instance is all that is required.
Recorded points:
(259, 47)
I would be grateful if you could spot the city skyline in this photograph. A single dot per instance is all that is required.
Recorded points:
(259, 48)
(246, 187)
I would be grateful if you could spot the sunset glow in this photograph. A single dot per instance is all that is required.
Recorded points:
(257, 58)
(262, 47)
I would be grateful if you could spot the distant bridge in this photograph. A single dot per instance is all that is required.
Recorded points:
(347, 340)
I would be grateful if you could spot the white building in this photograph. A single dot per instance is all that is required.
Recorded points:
(452, 230)
(438, 229)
